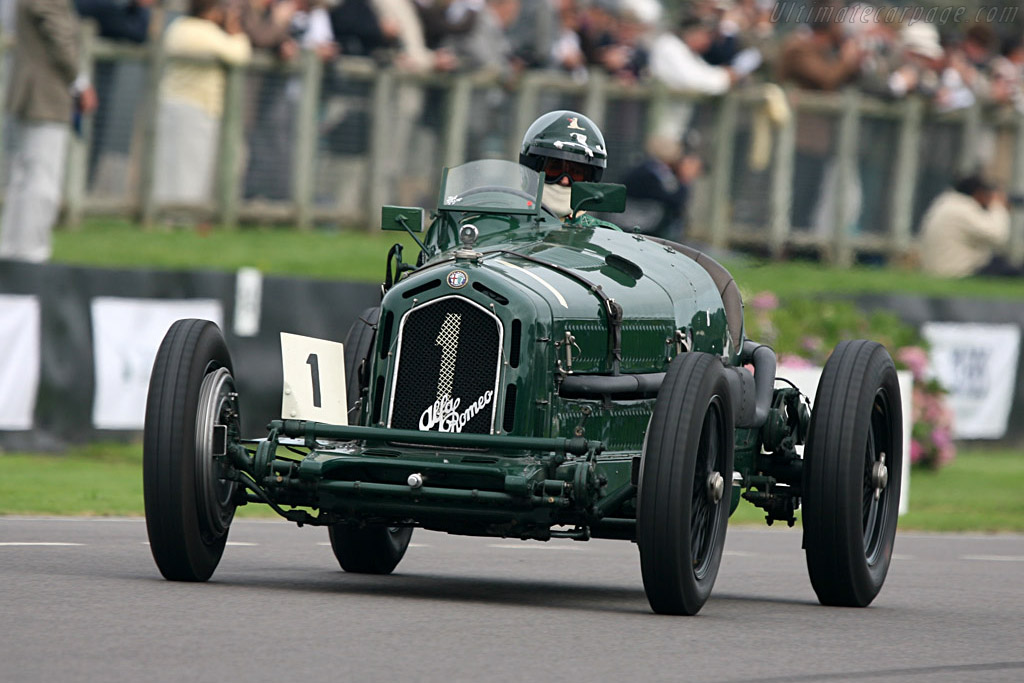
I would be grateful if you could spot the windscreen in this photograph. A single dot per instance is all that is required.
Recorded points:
(490, 184)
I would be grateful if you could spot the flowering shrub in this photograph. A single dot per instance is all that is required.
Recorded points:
(803, 333)
(931, 437)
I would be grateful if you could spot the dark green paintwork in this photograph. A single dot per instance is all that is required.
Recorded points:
(402, 218)
(556, 280)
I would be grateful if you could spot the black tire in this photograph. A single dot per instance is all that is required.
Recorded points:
(189, 504)
(371, 549)
(850, 505)
(358, 347)
(682, 508)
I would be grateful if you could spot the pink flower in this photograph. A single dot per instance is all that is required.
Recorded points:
(812, 344)
(916, 360)
(795, 362)
(916, 451)
(764, 301)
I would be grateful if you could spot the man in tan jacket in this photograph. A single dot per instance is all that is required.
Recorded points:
(43, 93)
(963, 229)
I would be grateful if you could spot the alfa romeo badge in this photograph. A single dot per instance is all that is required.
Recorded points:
(457, 279)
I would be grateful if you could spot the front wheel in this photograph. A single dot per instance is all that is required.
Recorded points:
(852, 470)
(191, 415)
(685, 475)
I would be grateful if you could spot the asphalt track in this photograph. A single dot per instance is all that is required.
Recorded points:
(81, 600)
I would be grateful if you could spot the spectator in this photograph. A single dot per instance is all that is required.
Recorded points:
(44, 89)
(822, 58)
(1008, 72)
(675, 61)
(597, 28)
(727, 21)
(675, 58)
(359, 30)
(627, 59)
(444, 19)
(486, 47)
(268, 23)
(963, 229)
(412, 55)
(566, 48)
(268, 173)
(922, 64)
(118, 84)
(311, 26)
(192, 98)
(485, 44)
(118, 19)
(534, 32)
(658, 188)
(978, 49)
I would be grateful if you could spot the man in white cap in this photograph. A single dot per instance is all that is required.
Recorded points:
(923, 61)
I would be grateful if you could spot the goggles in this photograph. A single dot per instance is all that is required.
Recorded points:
(555, 169)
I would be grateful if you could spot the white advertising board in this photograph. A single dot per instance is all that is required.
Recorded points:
(977, 364)
(19, 363)
(806, 380)
(126, 334)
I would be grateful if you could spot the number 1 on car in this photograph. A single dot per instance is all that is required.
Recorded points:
(314, 380)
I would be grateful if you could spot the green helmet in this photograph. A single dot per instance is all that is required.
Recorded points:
(564, 135)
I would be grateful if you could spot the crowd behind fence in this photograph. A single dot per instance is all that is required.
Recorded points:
(312, 142)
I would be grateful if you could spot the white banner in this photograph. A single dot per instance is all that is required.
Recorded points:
(806, 380)
(126, 334)
(977, 364)
(19, 364)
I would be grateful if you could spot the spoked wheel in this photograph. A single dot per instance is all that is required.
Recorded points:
(685, 476)
(371, 549)
(852, 470)
(191, 415)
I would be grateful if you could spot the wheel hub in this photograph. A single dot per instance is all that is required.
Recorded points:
(715, 488)
(879, 476)
(214, 494)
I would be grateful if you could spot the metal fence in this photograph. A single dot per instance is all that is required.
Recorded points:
(309, 143)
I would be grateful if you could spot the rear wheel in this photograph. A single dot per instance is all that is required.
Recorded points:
(370, 549)
(686, 471)
(191, 412)
(852, 470)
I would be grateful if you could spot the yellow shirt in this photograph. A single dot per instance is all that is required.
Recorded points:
(201, 85)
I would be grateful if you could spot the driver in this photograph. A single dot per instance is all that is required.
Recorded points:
(565, 147)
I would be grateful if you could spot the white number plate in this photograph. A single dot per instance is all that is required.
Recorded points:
(314, 380)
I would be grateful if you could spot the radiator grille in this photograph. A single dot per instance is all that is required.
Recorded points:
(446, 375)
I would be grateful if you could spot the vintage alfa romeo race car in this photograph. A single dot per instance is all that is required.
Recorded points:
(535, 380)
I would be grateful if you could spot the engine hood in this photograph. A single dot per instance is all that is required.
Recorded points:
(570, 274)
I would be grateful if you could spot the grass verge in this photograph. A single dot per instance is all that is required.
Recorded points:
(359, 256)
(979, 492)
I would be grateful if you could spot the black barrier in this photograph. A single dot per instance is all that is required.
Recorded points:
(64, 404)
(63, 412)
